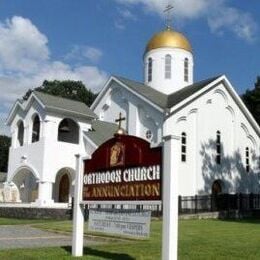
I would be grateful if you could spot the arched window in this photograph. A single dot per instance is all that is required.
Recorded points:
(68, 131)
(168, 66)
(148, 134)
(186, 70)
(20, 135)
(218, 148)
(36, 129)
(247, 160)
(183, 147)
(150, 69)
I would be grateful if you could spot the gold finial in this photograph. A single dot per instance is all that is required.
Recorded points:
(120, 130)
(168, 16)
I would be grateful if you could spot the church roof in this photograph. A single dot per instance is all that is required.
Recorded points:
(101, 131)
(163, 100)
(64, 105)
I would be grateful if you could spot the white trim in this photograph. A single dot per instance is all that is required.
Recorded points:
(24, 106)
(90, 141)
(195, 95)
(17, 102)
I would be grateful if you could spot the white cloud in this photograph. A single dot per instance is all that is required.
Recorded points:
(22, 47)
(25, 62)
(79, 52)
(234, 20)
(124, 15)
(219, 15)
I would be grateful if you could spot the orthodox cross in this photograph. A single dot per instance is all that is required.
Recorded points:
(168, 14)
(120, 120)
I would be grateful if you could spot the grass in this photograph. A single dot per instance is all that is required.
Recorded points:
(198, 239)
(14, 221)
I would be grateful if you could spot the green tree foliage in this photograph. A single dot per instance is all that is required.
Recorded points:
(75, 90)
(5, 143)
(251, 99)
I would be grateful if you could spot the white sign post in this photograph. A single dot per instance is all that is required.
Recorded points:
(78, 211)
(171, 158)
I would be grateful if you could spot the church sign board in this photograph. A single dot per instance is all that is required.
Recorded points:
(124, 168)
(129, 223)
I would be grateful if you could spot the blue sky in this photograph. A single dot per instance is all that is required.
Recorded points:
(89, 40)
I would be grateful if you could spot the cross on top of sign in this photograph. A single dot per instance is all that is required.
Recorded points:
(120, 120)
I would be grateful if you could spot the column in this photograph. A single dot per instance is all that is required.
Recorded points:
(44, 194)
(171, 159)
(78, 211)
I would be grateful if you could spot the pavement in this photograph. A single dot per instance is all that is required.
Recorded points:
(25, 236)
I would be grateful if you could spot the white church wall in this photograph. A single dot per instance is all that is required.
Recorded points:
(113, 103)
(216, 111)
(47, 156)
(140, 116)
(60, 154)
(176, 82)
(28, 153)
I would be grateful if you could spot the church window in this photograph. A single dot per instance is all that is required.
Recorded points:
(218, 148)
(186, 70)
(148, 134)
(36, 129)
(247, 160)
(183, 147)
(20, 135)
(150, 69)
(68, 131)
(168, 66)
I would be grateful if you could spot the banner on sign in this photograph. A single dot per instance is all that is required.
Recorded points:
(128, 223)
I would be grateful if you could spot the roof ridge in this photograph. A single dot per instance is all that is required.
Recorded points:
(58, 97)
(133, 80)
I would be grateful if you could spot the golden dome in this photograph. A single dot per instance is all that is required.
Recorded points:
(168, 38)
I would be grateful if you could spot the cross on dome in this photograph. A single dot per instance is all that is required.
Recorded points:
(168, 15)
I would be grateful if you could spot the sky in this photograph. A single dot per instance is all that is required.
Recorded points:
(90, 40)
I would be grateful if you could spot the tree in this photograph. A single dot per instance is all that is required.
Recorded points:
(75, 90)
(5, 143)
(251, 99)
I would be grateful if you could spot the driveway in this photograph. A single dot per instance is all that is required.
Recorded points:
(24, 236)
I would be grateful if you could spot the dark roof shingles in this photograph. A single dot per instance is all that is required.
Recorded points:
(65, 104)
(101, 131)
(163, 100)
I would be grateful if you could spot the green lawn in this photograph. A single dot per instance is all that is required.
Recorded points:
(198, 239)
(13, 221)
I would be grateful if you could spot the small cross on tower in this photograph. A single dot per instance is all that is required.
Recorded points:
(120, 120)
(168, 13)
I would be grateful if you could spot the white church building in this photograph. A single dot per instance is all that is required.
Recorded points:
(219, 138)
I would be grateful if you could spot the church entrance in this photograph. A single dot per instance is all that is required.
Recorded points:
(27, 186)
(217, 198)
(64, 188)
(216, 187)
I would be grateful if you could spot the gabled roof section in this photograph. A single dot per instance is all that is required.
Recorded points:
(101, 131)
(180, 95)
(64, 105)
(151, 94)
(162, 100)
(54, 104)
